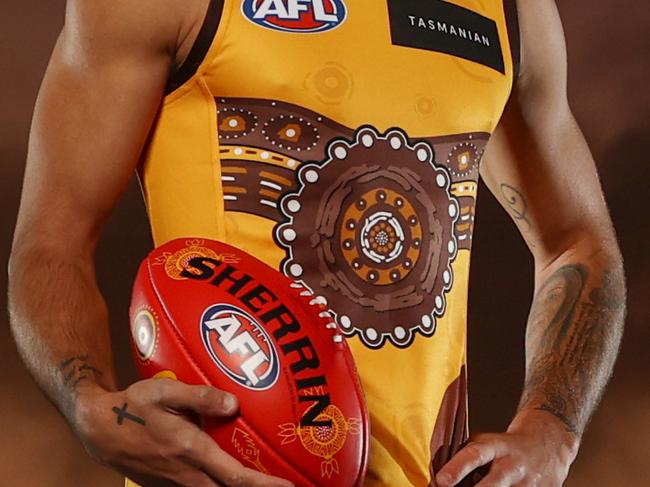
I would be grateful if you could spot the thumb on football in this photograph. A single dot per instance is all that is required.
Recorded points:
(203, 400)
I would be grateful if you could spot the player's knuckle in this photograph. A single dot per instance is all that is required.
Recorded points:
(205, 392)
(237, 478)
(137, 390)
(186, 445)
(534, 479)
(506, 473)
(501, 475)
(475, 450)
(518, 469)
(208, 395)
(161, 390)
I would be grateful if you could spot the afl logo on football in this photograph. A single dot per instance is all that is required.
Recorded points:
(302, 16)
(240, 346)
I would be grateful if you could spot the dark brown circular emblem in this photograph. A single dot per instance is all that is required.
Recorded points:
(370, 229)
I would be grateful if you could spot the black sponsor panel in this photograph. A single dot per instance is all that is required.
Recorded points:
(443, 27)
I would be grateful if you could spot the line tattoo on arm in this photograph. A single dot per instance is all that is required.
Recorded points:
(123, 414)
(516, 202)
(573, 335)
(76, 369)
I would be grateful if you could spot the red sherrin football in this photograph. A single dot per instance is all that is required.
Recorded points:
(204, 312)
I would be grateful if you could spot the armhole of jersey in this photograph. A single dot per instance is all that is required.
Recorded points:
(512, 23)
(200, 48)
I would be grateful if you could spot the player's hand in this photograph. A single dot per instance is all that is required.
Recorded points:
(536, 451)
(145, 433)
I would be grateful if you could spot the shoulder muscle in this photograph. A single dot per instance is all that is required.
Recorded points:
(97, 103)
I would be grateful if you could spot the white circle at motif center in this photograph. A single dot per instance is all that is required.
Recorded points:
(369, 224)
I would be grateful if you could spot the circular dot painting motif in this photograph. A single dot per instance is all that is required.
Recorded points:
(370, 229)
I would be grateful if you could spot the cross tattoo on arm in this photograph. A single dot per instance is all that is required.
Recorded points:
(123, 414)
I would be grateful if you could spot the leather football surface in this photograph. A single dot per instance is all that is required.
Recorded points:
(204, 312)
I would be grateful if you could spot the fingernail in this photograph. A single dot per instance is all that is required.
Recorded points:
(229, 402)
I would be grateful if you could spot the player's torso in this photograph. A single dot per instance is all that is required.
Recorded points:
(339, 141)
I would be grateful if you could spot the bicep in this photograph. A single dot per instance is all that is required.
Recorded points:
(96, 105)
(538, 164)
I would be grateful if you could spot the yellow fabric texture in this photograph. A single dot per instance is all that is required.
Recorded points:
(350, 77)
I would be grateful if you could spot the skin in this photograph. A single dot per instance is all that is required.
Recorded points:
(113, 58)
(541, 171)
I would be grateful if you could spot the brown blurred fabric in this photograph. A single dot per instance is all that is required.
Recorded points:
(609, 55)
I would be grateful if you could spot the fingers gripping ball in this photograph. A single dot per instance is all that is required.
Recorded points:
(208, 313)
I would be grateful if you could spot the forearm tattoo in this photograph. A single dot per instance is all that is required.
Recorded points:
(516, 202)
(123, 414)
(573, 334)
(77, 369)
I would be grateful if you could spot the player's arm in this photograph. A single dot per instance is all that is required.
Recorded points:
(100, 96)
(540, 169)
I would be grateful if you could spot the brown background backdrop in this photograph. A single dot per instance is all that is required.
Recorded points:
(609, 49)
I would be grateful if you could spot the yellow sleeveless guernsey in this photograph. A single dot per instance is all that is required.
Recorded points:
(339, 141)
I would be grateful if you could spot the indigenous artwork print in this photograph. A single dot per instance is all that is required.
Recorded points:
(369, 220)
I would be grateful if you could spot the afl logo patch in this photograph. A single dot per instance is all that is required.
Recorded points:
(240, 347)
(301, 16)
